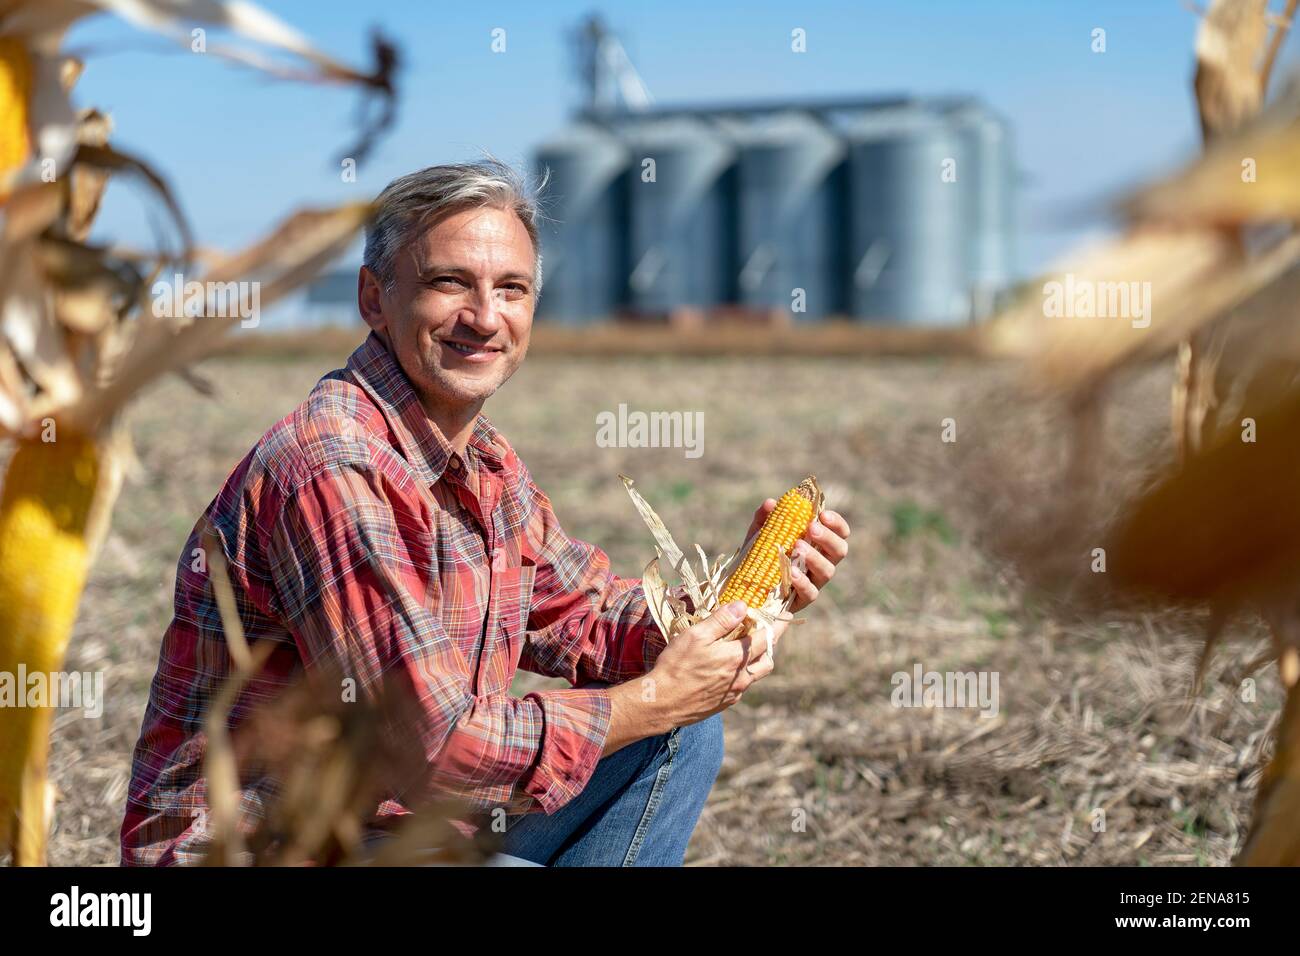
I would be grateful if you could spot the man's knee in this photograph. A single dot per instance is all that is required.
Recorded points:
(702, 745)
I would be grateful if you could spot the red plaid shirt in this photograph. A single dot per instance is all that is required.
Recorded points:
(357, 538)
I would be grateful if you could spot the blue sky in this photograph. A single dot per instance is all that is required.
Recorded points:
(241, 149)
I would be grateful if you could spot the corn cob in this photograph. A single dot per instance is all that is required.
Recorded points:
(760, 571)
(45, 512)
(15, 93)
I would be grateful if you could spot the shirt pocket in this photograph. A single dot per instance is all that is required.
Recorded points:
(511, 597)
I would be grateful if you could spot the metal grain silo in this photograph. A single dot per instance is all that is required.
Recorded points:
(584, 232)
(988, 187)
(681, 215)
(908, 249)
(789, 213)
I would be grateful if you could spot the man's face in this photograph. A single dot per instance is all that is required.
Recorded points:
(459, 316)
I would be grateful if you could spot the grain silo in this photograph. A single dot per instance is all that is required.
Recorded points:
(584, 232)
(888, 208)
(789, 215)
(988, 189)
(681, 188)
(908, 249)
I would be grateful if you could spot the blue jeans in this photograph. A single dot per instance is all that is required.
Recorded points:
(639, 808)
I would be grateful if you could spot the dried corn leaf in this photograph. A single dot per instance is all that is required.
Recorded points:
(1274, 838)
(116, 455)
(1229, 90)
(1188, 280)
(105, 159)
(1252, 359)
(1229, 47)
(13, 394)
(28, 326)
(90, 286)
(45, 21)
(1281, 24)
(1250, 177)
(291, 255)
(652, 584)
(88, 183)
(175, 18)
(1195, 397)
(51, 117)
(29, 211)
(1225, 527)
(665, 541)
(42, 24)
(225, 841)
(333, 761)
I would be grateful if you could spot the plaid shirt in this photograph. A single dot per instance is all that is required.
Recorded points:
(356, 538)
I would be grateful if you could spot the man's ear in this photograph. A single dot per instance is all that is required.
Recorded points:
(370, 293)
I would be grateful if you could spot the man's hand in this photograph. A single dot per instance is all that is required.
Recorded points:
(823, 546)
(696, 676)
(700, 673)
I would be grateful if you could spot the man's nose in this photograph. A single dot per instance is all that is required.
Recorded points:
(484, 311)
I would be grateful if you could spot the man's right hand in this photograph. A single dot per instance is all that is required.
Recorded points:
(694, 677)
(699, 674)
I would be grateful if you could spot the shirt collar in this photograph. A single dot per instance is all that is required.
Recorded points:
(419, 440)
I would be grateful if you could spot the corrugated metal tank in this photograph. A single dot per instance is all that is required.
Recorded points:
(584, 232)
(908, 245)
(682, 222)
(790, 214)
(989, 192)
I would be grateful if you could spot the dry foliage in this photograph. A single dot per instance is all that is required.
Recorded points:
(1217, 526)
(670, 608)
(78, 336)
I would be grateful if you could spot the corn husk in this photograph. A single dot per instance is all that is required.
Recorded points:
(671, 613)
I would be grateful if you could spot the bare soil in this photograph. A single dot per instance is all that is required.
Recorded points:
(1096, 754)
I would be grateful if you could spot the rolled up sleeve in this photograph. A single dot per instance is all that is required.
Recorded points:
(355, 574)
(585, 623)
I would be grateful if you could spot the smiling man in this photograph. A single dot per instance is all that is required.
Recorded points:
(386, 530)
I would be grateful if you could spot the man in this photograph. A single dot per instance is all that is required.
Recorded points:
(385, 529)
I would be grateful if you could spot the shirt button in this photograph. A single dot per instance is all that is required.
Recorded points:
(455, 463)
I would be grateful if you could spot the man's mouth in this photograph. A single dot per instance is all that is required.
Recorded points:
(471, 351)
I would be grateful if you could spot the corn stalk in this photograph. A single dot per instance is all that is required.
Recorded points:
(1222, 257)
(78, 339)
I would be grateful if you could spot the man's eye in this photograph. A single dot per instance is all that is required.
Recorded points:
(515, 289)
(445, 281)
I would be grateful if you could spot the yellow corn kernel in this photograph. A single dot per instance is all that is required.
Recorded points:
(45, 505)
(760, 571)
(15, 94)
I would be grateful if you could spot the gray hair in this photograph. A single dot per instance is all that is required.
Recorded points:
(415, 201)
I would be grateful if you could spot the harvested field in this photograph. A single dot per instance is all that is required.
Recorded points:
(821, 768)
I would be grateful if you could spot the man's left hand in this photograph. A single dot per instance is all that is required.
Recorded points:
(823, 546)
